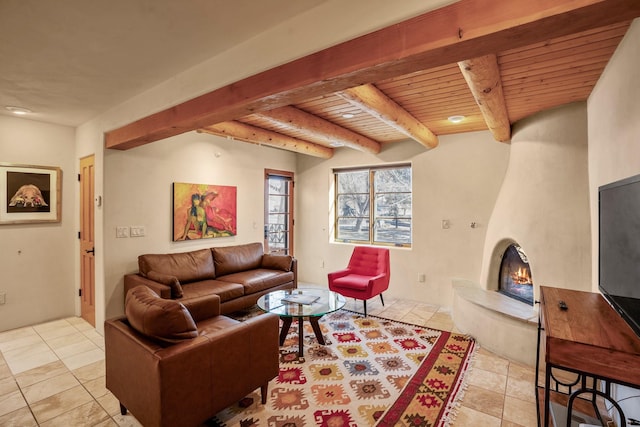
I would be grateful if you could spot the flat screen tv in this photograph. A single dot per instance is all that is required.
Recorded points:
(619, 250)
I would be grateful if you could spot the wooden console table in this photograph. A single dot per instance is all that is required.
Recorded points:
(589, 339)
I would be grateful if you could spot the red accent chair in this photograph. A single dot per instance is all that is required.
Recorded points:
(366, 276)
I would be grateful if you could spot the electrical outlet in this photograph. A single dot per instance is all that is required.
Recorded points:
(422, 277)
(445, 224)
(3, 298)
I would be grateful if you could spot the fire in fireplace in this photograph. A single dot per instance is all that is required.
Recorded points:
(515, 275)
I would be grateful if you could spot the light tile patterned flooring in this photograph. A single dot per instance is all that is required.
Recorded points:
(52, 374)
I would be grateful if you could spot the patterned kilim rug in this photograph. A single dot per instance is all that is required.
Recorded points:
(373, 371)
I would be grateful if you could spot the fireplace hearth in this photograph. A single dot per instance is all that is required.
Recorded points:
(515, 275)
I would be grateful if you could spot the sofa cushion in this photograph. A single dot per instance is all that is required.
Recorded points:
(259, 279)
(276, 262)
(185, 266)
(169, 280)
(231, 259)
(162, 319)
(225, 290)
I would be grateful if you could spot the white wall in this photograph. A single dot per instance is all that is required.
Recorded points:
(544, 199)
(543, 205)
(458, 181)
(139, 192)
(614, 146)
(37, 262)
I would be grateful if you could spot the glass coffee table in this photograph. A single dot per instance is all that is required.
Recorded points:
(300, 303)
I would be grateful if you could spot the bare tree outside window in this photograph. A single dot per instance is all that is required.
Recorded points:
(374, 196)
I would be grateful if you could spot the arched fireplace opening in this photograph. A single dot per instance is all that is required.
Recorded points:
(515, 275)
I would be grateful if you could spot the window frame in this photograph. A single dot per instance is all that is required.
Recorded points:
(373, 217)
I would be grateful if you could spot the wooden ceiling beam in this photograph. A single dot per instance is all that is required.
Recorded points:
(464, 29)
(255, 135)
(371, 100)
(483, 77)
(311, 125)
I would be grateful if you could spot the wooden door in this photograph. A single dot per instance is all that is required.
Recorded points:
(87, 249)
(278, 215)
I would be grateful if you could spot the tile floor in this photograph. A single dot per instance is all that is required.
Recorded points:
(52, 374)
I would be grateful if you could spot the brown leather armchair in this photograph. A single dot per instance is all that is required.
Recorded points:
(169, 370)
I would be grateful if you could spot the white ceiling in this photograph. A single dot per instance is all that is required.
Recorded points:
(70, 60)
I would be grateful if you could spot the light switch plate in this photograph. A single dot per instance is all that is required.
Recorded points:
(137, 230)
(122, 232)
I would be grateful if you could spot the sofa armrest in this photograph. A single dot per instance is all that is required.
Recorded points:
(379, 283)
(133, 280)
(294, 268)
(203, 306)
(337, 274)
(246, 357)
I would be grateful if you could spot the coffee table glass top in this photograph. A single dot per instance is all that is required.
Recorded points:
(312, 302)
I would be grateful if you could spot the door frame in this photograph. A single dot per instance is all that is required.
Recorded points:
(287, 176)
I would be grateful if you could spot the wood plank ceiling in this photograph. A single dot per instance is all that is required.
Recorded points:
(508, 85)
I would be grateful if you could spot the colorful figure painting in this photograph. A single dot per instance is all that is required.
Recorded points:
(202, 211)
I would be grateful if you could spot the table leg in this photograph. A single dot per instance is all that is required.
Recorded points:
(300, 337)
(316, 329)
(286, 324)
(547, 385)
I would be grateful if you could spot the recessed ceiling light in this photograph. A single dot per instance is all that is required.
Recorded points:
(456, 119)
(18, 110)
(348, 115)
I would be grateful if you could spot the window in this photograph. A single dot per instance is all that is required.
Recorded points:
(378, 196)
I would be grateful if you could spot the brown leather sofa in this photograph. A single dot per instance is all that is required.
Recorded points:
(169, 369)
(238, 274)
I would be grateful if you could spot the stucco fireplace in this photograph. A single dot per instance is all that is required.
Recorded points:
(543, 208)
